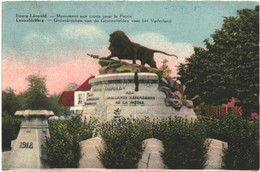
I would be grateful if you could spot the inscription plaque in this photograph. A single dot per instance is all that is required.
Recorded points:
(117, 92)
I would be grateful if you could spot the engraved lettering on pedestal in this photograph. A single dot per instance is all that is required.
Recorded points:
(114, 88)
(117, 97)
(26, 145)
(125, 103)
(129, 92)
(136, 102)
(92, 101)
(97, 90)
(117, 113)
(119, 91)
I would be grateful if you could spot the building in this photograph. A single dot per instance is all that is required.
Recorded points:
(228, 108)
(75, 99)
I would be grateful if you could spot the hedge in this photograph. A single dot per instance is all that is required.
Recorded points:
(10, 130)
(62, 148)
(242, 137)
(183, 141)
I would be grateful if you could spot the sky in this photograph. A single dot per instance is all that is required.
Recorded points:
(58, 50)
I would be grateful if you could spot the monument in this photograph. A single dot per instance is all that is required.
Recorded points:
(132, 90)
(27, 148)
(131, 95)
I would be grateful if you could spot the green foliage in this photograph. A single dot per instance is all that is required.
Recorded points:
(183, 143)
(57, 108)
(203, 110)
(10, 130)
(228, 67)
(123, 138)
(36, 98)
(62, 148)
(166, 70)
(10, 102)
(72, 86)
(243, 141)
(10, 124)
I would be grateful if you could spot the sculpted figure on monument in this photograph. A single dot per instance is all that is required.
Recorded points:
(172, 98)
(173, 95)
(123, 48)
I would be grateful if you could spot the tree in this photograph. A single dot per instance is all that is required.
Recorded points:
(36, 98)
(227, 67)
(10, 103)
(57, 108)
(165, 68)
(10, 123)
(72, 86)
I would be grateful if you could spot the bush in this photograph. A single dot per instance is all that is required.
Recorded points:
(10, 130)
(183, 143)
(123, 138)
(243, 141)
(62, 148)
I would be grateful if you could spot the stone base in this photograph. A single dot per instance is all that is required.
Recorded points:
(27, 148)
(151, 158)
(215, 153)
(127, 95)
(89, 153)
(5, 158)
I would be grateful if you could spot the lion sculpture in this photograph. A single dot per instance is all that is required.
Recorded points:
(123, 48)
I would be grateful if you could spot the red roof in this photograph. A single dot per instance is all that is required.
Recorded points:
(67, 98)
(85, 86)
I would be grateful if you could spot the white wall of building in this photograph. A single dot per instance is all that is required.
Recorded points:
(80, 98)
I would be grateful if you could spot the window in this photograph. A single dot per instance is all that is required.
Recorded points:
(80, 99)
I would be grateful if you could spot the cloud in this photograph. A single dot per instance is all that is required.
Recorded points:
(82, 32)
(38, 42)
(54, 48)
(158, 41)
(83, 36)
(63, 58)
(68, 38)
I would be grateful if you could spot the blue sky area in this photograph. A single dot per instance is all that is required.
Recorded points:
(191, 21)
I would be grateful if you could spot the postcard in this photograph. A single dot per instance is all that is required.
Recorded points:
(110, 59)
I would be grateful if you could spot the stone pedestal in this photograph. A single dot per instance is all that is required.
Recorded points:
(215, 153)
(151, 158)
(89, 153)
(27, 148)
(130, 94)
